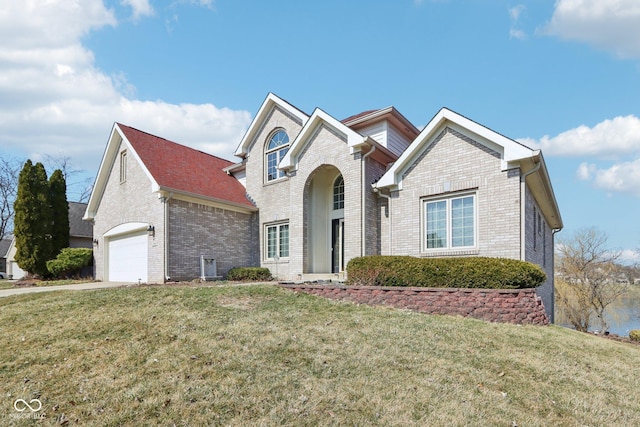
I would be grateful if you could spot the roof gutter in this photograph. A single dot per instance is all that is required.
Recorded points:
(230, 205)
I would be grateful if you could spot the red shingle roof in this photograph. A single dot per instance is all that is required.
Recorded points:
(180, 168)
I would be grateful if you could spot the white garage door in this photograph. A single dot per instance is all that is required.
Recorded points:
(128, 257)
(16, 271)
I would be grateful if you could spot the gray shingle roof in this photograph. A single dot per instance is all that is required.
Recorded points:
(78, 227)
(4, 247)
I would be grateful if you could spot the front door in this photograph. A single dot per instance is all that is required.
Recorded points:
(337, 245)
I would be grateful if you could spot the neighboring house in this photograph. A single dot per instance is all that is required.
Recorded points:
(4, 250)
(80, 236)
(80, 232)
(312, 192)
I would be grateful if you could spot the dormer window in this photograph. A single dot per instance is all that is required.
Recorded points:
(276, 149)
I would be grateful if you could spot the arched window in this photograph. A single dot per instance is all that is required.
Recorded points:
(274, 152)
(338, 193)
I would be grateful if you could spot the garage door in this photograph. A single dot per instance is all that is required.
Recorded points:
(128, 257)
(16, 271)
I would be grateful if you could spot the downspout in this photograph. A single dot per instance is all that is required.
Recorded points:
(165, 200)
(388, 197)
(523, 208)
(363, 201)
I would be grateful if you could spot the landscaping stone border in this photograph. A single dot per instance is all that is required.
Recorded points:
(518, 306)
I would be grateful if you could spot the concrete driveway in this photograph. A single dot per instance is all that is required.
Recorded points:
(75, 287)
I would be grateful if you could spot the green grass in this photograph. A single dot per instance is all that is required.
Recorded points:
(265, 356)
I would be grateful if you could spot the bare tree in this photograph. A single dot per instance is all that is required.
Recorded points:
(9, 171)
(587, 274)
(78, 189)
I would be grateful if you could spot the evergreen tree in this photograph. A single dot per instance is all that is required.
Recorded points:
(59, 212)
(33, 220)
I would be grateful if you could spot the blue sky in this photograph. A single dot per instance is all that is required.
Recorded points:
(563, 76)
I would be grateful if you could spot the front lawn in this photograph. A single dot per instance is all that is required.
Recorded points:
(262, 355)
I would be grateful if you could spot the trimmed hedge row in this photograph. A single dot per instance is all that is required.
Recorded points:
(249, 273)
(473, 272)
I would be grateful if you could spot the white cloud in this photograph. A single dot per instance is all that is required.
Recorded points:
(55, 101)
(517, 34)
(620, 178)
(612, 25)
(203, 3)
(608, 139)
(514, 14)
(585, 171)
(516, 11)
(37, 24)
(616, 140)
(629, 257)
(140, 8)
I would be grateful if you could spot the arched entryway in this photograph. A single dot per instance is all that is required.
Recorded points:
(324, 221)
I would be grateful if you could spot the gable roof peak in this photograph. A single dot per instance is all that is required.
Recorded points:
(170, 167)
(389, 114)
(268, 104)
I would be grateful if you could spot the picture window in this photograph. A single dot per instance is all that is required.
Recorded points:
(449, 223)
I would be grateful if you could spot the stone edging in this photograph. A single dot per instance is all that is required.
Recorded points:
(518, 306)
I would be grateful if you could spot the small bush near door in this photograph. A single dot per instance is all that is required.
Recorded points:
(249, 273)
(473, 272)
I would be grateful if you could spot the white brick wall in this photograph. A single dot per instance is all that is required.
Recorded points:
(130, 201)
(456, 163)
(273, 198)
(327, 148)
(287, 199)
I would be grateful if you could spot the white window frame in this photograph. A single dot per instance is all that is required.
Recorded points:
(338, 194)
(448, 227)
(282, 254)
(279, 152)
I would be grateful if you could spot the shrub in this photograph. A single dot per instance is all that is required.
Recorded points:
(70, 261)
(249, 273)
(474, 272)
(634, 335)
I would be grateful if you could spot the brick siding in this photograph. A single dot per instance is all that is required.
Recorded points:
(288, 199)
(539, 248)
(454, 163)
(196, 229)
